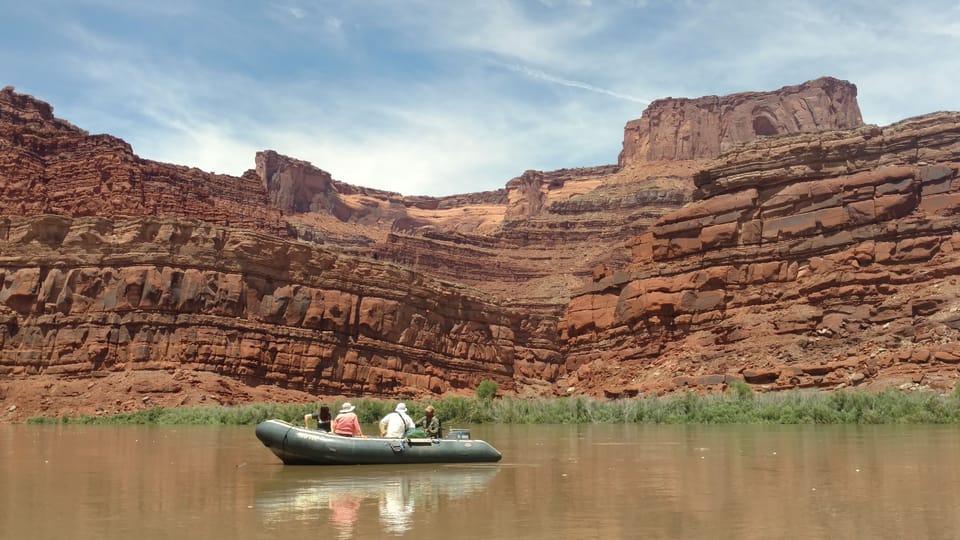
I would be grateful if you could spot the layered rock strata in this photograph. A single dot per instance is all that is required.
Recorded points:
(541, 222)
(702, 128)
(555, 229)
(821, 260)
(49, 166)
(248, 293)
(81, 296)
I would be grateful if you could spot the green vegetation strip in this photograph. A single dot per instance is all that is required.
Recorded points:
(739, 405)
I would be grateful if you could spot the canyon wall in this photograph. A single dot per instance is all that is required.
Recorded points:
(48, 166)
(770, 238)
(81, 296)
(813, 260)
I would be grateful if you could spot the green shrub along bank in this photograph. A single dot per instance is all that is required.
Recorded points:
(739, 405)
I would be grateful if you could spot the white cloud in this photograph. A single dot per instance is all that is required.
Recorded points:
(441, 146)
(437, 98)
(504, 29)
(537, 74)
(333, 23)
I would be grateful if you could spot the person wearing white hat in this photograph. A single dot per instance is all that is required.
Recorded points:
(395, 423)
(346, 422)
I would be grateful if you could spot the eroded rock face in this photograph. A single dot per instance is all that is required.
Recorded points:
(48, 166)
(284, 276)
(296, 186)
(702, 128)
(102, 296)
(820, 259)
(830, 261)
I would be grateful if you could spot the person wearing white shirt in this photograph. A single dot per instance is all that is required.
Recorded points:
(395, 423)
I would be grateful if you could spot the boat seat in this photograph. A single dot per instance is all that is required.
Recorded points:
(420, 442)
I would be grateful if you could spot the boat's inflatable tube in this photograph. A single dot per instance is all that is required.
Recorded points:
(299, 446)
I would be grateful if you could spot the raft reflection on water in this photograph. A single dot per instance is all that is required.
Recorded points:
(337, 493)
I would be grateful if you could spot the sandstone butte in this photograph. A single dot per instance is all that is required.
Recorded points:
(771, 238)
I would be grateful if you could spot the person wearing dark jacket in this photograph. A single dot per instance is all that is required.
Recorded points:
(322, 417)
(429, 423)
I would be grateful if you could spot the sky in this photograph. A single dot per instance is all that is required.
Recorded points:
(446, 97)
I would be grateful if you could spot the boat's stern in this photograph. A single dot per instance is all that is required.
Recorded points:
(489, 453)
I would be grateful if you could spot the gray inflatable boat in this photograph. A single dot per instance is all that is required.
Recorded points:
(300, 446)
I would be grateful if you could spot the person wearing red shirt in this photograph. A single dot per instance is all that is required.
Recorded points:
(346, 422)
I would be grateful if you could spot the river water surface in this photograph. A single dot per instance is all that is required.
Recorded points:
(555, 482)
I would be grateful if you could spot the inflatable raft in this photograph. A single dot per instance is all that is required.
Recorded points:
(300, 446)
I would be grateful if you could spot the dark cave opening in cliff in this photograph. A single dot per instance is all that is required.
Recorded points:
(763, 126)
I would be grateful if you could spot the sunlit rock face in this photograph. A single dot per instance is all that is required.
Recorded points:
(764, 237)
(702, 128)
(84, 296)
(826, 259)
(48, 166)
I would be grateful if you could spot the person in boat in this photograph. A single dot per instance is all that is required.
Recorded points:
(396, 423)
(429, 423)
(346, 422)
(322, 417)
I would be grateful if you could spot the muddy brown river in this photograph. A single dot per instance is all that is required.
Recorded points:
(555, 482)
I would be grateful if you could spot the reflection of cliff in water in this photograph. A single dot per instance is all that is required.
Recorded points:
(339, 494)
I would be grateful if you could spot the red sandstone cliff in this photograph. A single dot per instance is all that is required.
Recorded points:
(702, 128)
(817, 259)
(48, 166)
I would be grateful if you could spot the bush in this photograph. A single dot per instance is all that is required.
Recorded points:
(740, 390)
(487, 389)
(739, 405)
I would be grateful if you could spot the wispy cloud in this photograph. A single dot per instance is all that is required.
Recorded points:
(435, 145)
(333, 23)
(507, 30)
(537, 74)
